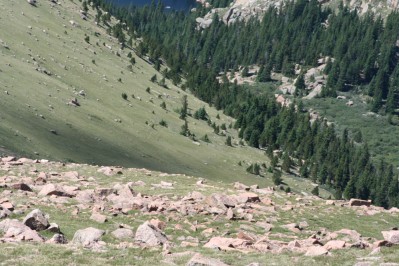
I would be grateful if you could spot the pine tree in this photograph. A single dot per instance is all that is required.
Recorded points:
(277, 180)
(184, 109)
(228, 141)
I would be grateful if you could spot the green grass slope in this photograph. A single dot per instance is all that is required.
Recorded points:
(105, 129)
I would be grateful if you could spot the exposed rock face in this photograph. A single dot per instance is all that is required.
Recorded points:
(88, 236)
(243, 10)
(150, 235)
(36, 220)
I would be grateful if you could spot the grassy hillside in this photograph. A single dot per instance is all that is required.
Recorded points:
(46, 62)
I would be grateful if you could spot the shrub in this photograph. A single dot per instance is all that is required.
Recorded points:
(163, 123)
(124, 96)
(87, 39)
(148, 90)
(201, 114)
(315, 191)
(205, 138)
(163, 105)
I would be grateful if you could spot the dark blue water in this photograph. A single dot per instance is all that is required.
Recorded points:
(182, 5)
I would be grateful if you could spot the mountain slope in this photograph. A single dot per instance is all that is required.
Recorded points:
(37, 121)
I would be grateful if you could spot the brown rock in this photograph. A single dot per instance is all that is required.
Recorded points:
(51, 189)
(247, 197)
(221, 200)
(85, 196)
(21, 186)
(7, 206)
(99, 218)
(158, 224)
(230, 214)
(199, 260)
(353, 234)
(8, 159)
(316, 251)
(244, 236)
(240, 186)
(335, 244)
(110, 171)
(73, 175)
(224, 243)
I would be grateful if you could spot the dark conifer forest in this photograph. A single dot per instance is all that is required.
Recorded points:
(365, 59)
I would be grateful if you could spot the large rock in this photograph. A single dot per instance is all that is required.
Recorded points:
(21, 186)
(391, 236)
(122, 233)
(85, 196)
(87, 236)
(359, 202)
(247, 197)
(57, 239)
(18, 231)
(316, 251)
(110, 171)
(225, 243)
(335, 244)
(36, 220)
(150, 235)
(51, 189)
(221, 200)
(199, 260)
(98, 217)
